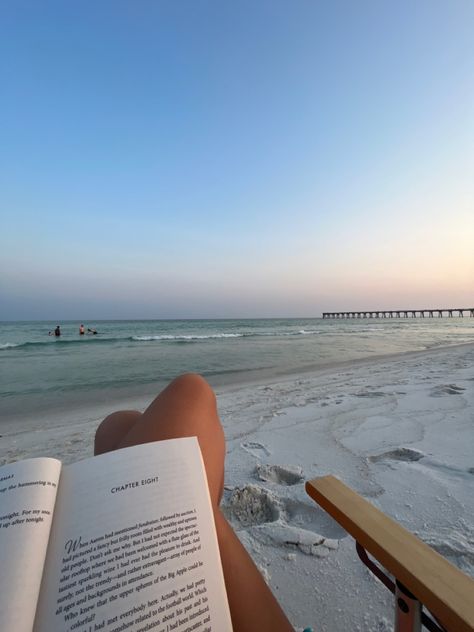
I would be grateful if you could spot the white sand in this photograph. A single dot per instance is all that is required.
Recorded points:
(400, 431)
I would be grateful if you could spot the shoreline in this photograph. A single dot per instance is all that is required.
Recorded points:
(315, 370)
(98, 410)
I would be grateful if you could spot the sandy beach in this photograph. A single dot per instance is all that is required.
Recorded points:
(399, 430)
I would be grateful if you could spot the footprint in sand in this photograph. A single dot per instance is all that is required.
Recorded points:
(280, 474)
(256, 449)
(311, 517)
(285, 522)
(253, 505)
(399, 454)
(264, 515)
(446, 389)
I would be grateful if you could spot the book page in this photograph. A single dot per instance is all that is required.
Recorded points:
(133, 545)
(27, 496)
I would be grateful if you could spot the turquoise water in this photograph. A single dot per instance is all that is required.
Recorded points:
(128, 359)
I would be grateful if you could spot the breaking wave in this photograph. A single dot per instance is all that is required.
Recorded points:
(186, 337)
(55, 343)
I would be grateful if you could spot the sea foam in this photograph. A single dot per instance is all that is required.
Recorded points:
(185, 337)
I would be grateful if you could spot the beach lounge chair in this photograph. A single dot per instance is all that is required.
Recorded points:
(423, 579)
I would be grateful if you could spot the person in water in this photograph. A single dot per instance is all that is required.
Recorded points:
(57, 331)
(187, 408)
(81, 330)
(91, 331)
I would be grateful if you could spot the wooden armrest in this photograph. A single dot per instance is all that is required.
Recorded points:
(441, 587)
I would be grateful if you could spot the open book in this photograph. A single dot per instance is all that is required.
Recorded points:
(122, 541)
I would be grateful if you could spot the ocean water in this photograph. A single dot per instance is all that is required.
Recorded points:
(42, 375)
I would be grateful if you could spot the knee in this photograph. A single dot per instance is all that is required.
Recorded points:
(104, 427)
(195, 386)
(112, 429)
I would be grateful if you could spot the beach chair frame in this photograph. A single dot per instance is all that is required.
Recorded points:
(422, 577)
(409, 614)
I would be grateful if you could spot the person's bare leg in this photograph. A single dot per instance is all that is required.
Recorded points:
(113, 429)
(187, 407)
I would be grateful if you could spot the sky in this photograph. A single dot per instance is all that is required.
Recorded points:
(194, 159)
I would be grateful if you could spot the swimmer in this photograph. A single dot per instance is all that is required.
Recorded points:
(81, 330)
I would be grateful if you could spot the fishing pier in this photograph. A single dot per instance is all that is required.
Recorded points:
(404, 313)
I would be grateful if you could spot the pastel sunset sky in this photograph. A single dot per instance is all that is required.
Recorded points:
(184, 159)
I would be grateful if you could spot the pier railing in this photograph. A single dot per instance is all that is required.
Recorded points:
(403, 313)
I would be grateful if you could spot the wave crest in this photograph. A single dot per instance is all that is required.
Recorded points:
(185, 337)
(178, 338)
